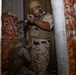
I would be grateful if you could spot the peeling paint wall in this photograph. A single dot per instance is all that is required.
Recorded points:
(71, 34)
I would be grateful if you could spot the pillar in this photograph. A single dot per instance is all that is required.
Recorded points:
(60, 37)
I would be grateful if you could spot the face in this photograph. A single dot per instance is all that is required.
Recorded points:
(36, 11)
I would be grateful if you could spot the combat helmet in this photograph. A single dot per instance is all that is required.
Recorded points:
(34, 4)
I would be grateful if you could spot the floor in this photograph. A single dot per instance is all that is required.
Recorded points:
(6, 73)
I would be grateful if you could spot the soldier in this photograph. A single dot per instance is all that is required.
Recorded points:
(19, 58)
(41, 24)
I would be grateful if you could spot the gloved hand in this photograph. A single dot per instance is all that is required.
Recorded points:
(32, 18)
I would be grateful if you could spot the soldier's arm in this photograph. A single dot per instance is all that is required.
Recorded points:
(42, 24)
(46, 24)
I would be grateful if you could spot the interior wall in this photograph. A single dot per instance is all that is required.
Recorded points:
(15, 6)
(71, 33)
(53, 58)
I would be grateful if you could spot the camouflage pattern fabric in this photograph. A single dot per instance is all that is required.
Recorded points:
(40, 58)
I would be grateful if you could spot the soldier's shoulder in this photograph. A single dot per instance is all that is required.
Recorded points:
(48, 15)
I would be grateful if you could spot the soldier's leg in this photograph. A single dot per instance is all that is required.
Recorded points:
(40, 58)
(43, 59)
(34, 53)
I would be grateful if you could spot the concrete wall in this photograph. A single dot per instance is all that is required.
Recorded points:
(15, 6)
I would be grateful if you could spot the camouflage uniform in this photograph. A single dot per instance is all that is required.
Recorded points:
(40, 47)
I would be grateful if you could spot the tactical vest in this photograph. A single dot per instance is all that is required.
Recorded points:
(39, 33)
